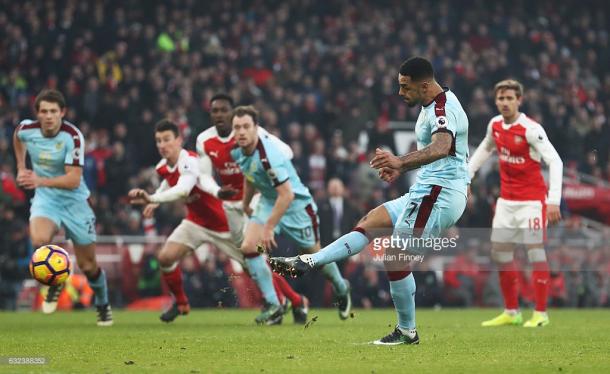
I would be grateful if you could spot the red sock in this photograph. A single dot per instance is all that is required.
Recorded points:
(174, 282)
(509, 283)
(278, 290)
(281, 283)
(541, 276)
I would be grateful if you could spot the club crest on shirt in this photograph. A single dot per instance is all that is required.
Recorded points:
(59, 145)
(441, 122)
(271, 173)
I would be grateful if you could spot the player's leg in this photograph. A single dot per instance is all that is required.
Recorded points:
(184, 239)
(402, 283)
(261, 274)
(303, 227)
(505, 233)
(96, 277)
(502, 255)
(541, 277)
(535, 214)
(427, 211)
(348, 245)
(237, 225)
(79, 222)
(169, 264)
(341, 286)
(42, 230)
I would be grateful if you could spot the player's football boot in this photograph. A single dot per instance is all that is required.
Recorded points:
(344, 303)
(397, 337)
(174, 311)
(293, 266)
(299, 314)
(50, 301)
(270, 315)
(504, 319)
(538, 319)
(104, 315)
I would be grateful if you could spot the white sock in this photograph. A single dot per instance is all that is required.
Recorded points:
(408, 332)
(511, 312)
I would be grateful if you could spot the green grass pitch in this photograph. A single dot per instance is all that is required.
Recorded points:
(228, 341)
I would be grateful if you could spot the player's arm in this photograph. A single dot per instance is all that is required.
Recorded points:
(437, 149)
(188, 179)
(23, 173)
(249, 191)
(540, 142)
(279, 177)
(206, 176)
(482, 153)
(68, 181)
(443, 130)
(285, 195)
(20, 151)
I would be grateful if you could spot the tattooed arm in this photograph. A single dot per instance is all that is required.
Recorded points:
(439, 148)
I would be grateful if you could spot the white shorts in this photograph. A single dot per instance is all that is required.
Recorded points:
(522, 222)
(237, 221)
(237, 218)
(193, 235)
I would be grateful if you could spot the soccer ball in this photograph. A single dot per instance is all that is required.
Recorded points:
(50, 265)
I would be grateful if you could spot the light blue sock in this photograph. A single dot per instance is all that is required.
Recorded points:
(347, 245)
(332, 273)
(403, 294)
(260, 272)
(100, 288)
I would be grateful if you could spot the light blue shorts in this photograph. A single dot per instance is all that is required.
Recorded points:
(299, 223)
(426, 210)
(76, 217)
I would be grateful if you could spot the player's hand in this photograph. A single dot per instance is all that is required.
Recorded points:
(28, 179)
(138, 196)
(385, 159)
(553, 213)
(21, 174)
(227, 192)
(388, 175)
(149, 210)
(268, 239)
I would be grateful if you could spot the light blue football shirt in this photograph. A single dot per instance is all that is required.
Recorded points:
(445, 113)
(50, 155)
(268, 168)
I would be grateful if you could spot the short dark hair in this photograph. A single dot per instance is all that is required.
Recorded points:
(417, 68)
(222, 96)
(51, 96)
(167, 125)
(244, 110)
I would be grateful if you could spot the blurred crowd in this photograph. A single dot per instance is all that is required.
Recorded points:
(323, 73)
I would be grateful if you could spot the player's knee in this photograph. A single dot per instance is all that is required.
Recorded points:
(166, 259)
(502, 257)
(87, 265)
(536, 255)
(248, 247)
